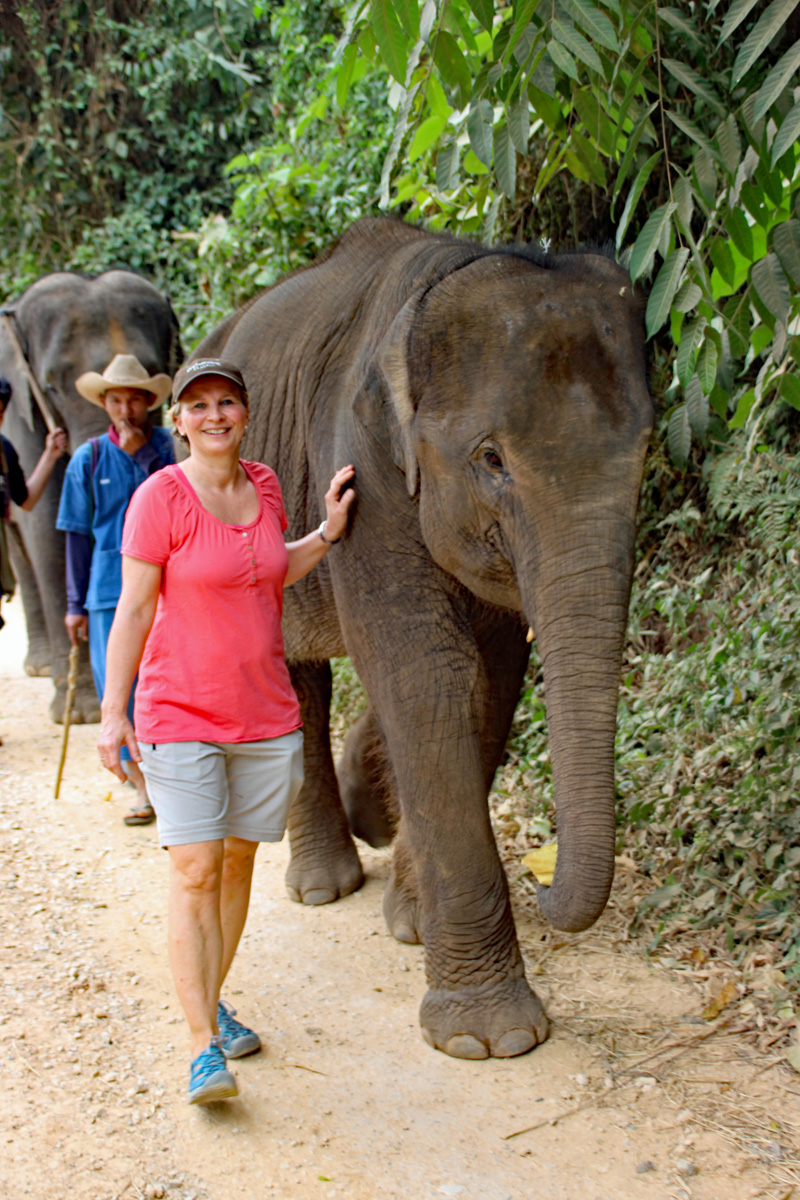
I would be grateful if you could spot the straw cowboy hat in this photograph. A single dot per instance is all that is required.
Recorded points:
(124, 371)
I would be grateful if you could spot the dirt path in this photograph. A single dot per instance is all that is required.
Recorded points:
(633, 1095)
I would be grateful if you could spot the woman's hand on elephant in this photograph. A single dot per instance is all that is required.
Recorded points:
(338, 498)
(55, 444)
(116, 731)
(77, 627)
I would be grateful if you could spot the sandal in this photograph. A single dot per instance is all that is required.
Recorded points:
(140, 816)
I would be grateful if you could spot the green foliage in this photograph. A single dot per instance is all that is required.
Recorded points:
(128, 110)
(702, 159)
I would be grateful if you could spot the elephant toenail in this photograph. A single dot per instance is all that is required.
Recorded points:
(465, 1045)
(514, 1041)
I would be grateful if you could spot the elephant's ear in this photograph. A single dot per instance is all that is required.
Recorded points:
(11, 369)
(384, 404)
(175, 348)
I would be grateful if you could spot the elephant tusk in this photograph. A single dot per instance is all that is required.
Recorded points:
(529, 634)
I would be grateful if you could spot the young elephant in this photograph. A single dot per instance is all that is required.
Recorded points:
(495, 406)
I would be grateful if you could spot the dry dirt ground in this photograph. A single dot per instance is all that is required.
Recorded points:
(634, 1095)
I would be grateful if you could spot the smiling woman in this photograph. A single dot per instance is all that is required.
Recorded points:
(217, 722)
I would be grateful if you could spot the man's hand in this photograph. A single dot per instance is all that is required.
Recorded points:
(131, 437)
(55, 445)
(77, 627)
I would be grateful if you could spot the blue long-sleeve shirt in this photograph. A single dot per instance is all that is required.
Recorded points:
(92, 514)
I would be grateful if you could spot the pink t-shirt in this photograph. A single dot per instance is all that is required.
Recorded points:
(213, 668)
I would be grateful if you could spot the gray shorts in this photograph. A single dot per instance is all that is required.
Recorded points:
(205, 791)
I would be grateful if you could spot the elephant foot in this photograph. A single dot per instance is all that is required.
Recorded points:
(85, 707)
(37, 660)
(487, 1022)
(323, 881)
(402, 912)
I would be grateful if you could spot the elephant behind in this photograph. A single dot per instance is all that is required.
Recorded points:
(495, 406)
(67, 324)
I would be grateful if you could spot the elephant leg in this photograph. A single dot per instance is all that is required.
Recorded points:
(37, 659)
(445, 710)
(44, 546)
(324, 863)
(402, 909)
(366, 784)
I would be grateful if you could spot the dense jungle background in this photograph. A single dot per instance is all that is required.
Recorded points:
(214, 144)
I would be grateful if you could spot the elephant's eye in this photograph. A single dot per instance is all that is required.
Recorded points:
(492, 459)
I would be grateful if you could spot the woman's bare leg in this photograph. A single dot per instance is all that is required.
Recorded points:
(195, 935)
(237, 876)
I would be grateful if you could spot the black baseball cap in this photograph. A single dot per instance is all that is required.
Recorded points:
(199, 367)
(5, 391)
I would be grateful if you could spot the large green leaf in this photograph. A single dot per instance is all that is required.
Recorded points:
(484, 11)
(447, 166)
(644, 247)
(408, 12)
(595, 122)
(740, 232)
(743, 409)
(637, 187)
(692, 131)
(695, 83)
(679, 435)
(696, 407)
(519, 122)
(790, 390)
(643, 124)
(588, 154)
(594, 21)
(391, 39)
(568, 36)
(479, 128)
(563, 60)
(427, 135)
(505, 161)
(734, 17)
(777, 80)
(730, 146)
(663, 290)
(736, 315)
(674, 18)
(453, 67)
(788, 133)
(691, 337)
(759, 37)
(772, 287)
(786, 240)
(707, 365)
(687, 297)
(344, 74)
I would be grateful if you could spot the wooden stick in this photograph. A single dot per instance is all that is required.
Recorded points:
(44, 407)
(72, 683)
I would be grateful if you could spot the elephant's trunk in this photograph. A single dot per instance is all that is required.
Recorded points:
(578, 602)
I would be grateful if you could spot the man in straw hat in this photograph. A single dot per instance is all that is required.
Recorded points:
(101, 477)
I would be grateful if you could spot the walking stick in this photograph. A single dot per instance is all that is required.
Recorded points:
(72, 683)
(7, 322)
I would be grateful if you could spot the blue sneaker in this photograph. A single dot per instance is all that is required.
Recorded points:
(235, 1039)
(210, 1078)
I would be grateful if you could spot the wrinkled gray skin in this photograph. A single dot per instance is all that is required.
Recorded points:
(68, 324)
(496, 410)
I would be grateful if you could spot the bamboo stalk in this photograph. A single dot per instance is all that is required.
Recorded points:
(72, 683)
(44, 407)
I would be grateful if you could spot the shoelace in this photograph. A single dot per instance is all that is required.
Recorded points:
(228, 1027)
(207, 1063)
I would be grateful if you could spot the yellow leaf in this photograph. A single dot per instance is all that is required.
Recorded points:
(720, 1001)
(107, 796)
(542, 863)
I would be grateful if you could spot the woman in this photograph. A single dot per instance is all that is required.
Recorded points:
(217, 721)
